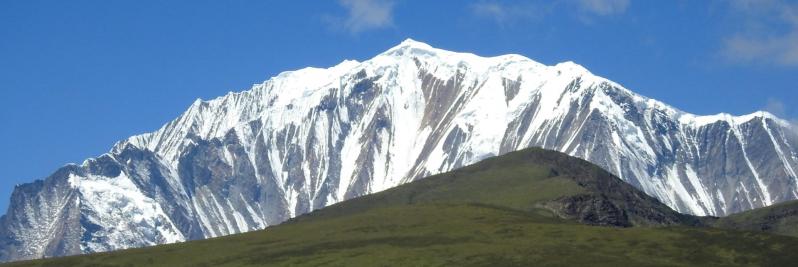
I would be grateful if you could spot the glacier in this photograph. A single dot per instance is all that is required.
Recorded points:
(309, 138)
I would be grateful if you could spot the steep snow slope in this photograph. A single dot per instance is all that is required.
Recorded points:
(309, 138)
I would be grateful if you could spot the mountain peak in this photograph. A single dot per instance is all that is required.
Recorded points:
(410, 46)
(413, 43)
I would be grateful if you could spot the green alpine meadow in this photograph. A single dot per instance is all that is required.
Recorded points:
(532, 207)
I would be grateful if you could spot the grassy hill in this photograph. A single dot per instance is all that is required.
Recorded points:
(532, 207)
(781, 219)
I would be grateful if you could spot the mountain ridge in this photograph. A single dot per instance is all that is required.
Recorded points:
(420, 50)
(309, 138)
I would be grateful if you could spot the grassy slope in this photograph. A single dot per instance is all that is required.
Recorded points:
(779, 219)
(532, 180)
(492, 213)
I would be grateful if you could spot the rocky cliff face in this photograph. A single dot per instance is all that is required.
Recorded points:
(313, 137)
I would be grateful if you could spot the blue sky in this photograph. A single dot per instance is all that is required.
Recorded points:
(77, 76)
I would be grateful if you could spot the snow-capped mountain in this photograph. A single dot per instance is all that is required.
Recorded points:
(309, 138)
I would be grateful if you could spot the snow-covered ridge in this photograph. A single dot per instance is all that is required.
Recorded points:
(292, 93)
(300, 86)
(312, 137)
(731, 119)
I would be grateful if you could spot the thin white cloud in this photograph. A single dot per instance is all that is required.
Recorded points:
(364, 15)
(490, 10)
(769, 34)
(778, 108)
(603, 7)
(504, 12)
(781, 49)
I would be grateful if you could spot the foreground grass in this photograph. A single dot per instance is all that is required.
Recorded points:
(493, 213)
(457, 235)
